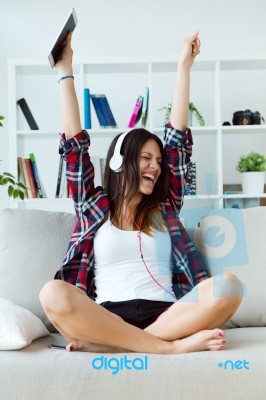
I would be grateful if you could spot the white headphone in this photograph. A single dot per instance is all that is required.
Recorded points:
(117, 159)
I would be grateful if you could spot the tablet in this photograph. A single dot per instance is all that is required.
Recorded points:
(57, 47)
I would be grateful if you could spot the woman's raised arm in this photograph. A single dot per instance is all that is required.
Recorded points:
(68, 97)
(180, 105)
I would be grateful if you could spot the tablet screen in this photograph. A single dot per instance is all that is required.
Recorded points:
(68, 26)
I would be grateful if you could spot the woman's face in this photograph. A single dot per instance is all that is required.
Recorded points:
(150, 161)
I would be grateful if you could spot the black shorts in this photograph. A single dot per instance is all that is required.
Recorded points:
(138, 312)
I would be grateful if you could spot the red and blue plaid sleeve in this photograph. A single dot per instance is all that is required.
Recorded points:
(189, 268)
(91, 204)
(178, 150)
(79, 170)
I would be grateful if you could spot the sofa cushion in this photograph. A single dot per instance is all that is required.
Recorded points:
(33, 244)
(38, 372)
(18, 326)
(233, 241)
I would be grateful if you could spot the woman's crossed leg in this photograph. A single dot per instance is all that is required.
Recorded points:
(191, 324)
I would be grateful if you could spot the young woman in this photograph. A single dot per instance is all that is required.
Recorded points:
(131, 279)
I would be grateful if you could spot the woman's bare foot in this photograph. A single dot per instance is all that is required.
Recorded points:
(204, 340)
(212, 339)
(82, 345)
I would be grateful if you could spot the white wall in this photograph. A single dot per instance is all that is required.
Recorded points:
(123, 27)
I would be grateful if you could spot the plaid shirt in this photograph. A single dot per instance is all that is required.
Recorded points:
(92, 203)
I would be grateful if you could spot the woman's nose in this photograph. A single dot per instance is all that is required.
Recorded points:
(154, 164)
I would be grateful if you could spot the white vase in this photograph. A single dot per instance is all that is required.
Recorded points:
(190, 118)
(253, 182)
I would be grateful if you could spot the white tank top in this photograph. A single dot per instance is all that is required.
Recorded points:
(120, 273)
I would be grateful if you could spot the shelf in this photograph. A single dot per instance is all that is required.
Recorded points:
(113, 132)
(203, 197)
(224, 196)
(244, 196)
(100, 132)
(244, 129)
(194, 129)
(171, 65)
(47, 200)
(105, 132)
(243, 64)
(218, 88)
(37, 133)
(189, 197)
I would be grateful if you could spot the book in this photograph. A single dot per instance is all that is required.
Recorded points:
(21, 175)
(59, 177)
(63, 182)
(135, 116)
(87, 109)
(103, 111)
(191, 183)
(27, 181)
(69, 26)
(145, 106)
(30, 174)
(27, 113)
(36, 175)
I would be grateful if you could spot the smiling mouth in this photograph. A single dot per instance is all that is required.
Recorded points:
(148, 178)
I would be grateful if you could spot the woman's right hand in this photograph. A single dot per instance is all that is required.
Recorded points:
(64, 64)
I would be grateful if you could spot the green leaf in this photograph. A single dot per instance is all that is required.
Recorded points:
(15, 194)
(8, 174)
(21, 194)
(197, 114)
(4, 181)
(11, 181)
(20, 184)
(10, 191)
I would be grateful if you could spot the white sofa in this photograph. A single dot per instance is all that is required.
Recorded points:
(32, 246)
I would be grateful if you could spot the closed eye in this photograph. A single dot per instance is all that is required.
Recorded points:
(146, 156)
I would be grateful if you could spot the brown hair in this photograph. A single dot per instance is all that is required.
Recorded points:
(125, 184)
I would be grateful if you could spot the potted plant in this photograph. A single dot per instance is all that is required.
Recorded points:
(193, 111)
(252, 167)
(14, 189)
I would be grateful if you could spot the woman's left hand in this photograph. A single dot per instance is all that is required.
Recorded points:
(191, 49)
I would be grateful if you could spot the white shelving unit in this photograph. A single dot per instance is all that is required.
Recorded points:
(218, 88)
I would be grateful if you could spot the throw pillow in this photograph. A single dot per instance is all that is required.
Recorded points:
(33, 244)
(18, 326)
(233, 241)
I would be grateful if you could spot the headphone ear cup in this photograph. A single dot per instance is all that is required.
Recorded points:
(116, 162)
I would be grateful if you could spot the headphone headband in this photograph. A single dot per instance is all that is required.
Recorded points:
(117, 159)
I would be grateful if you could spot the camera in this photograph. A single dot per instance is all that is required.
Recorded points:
(246, 117)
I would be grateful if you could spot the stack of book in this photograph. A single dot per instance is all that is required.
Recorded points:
(140, 110)
(102, 108)
(104, 113)
(191, 183)
(29, 175)
(62, 188)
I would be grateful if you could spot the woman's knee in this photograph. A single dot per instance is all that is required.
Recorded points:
(55, 296)
(227, 290)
